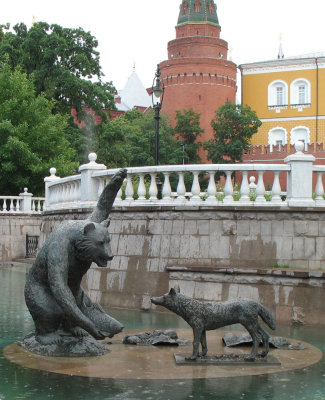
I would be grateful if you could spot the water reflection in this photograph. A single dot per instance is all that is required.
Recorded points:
(23, 383)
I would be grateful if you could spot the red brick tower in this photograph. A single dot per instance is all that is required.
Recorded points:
(197, 73)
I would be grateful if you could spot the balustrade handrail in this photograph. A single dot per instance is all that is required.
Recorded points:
(196, 167)
(66, 179)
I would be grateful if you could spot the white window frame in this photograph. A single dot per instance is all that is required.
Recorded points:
(273, 94)
(276, 134)
(295, 135)
(295, 94)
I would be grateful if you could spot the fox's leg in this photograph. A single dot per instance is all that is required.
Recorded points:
(204, 344)
(252, 330)
(197, 333)
(265, 340)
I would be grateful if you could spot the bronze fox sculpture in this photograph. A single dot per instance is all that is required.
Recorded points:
(203, 317)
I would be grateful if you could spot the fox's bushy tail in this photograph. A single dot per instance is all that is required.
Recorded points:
(266, 317)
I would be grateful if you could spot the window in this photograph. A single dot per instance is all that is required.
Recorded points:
(300, 92)
(185, 6)
(277, 137)
(211, 8)
(277, 94)
(301, 133)
(197, 6)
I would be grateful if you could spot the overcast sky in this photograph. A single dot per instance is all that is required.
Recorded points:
(137, 31)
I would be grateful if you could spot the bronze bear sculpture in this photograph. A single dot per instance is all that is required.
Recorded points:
(53, 293)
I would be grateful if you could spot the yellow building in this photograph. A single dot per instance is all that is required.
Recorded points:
(288, 95)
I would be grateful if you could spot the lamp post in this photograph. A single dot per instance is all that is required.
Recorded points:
(157, 99)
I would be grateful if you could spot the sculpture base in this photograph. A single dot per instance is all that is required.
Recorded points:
(70, 346)
(157, 362)
(226, 359)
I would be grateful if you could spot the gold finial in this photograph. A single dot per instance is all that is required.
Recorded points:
(34, 20)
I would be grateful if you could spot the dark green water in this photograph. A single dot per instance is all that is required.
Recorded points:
(22, 383)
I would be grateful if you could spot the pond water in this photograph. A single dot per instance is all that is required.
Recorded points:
(22, 383)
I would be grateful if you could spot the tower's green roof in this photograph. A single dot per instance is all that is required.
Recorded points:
(198, 12)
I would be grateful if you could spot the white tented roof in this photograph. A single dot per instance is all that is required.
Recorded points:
(133, 95)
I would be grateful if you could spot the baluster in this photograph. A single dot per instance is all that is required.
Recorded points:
(260, 189)
(141, 188)
(101, 185)
(212, 188)
(276, 188)
(196, 190)
(166, 190)
(129, 192)
(229, 189)
(12, 207)
(181, 189)
(244, 188)
(78, 190)
(319, 189)
(5, 206)
(153, 190)
(118, 198)
(33, 205)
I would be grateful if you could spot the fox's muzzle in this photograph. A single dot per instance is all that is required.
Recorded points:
(157, 300)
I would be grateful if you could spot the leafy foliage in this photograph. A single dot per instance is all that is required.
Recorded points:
(188, 129)
(31, 138)
(234, 125)
(130, 140)
(63, 63)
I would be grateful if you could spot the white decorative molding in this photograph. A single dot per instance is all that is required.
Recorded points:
(300, 133)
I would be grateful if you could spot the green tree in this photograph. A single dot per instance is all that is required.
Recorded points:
(63, 63)
(233, 126)
(130, 140)
(32, 138)
(188, 130)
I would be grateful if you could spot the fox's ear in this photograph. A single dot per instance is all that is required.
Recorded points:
(172, 292)
(177, 289)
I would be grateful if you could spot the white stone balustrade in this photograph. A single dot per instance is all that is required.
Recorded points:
(166, 185)
(25, 203)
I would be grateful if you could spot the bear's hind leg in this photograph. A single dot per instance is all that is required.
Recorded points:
(45, 311)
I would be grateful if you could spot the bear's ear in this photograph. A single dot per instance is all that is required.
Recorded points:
(106, 222)
(89, 228)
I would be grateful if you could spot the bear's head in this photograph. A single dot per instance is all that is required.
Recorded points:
(95, 245)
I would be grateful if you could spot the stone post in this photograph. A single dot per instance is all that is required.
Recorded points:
(89, 185)
(300, 178)
(26, 204)
(47, 180)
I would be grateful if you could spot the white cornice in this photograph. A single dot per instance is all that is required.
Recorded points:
(281, 66)
(292, 119)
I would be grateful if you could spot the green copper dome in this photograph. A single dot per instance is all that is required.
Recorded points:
(198, 12)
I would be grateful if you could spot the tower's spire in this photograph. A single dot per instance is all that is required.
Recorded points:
(280, 54)
(198, 11)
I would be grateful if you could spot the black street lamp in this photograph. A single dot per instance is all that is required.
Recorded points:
(157, 96)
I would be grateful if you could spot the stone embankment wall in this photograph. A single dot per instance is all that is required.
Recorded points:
(226, 254)
(13, 231)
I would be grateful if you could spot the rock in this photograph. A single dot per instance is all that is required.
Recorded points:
(230, 340)
(156, 338)
(70, 346)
